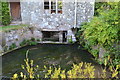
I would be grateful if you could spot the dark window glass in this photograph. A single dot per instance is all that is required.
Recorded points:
(46, 5)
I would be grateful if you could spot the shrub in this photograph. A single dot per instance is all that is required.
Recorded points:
(5, 13)
(100, 6)
(103, 31)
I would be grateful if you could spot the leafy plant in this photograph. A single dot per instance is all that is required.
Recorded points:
(32, 43)
(6, 19)
(70, 40)
(24, 42)
(100, 6)
(12, 46)
(81, 70)
(0, 13)
(32, 39)
(5, 48)
(28, 42)
(103, 31)
(38, 40)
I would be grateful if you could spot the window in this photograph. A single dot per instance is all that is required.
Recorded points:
(59, 6)
(46, 5)
(54, 6)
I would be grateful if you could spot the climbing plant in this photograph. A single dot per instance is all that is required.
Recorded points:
(5, 13)
(0, 12)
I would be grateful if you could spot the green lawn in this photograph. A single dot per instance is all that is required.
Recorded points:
(9, 27)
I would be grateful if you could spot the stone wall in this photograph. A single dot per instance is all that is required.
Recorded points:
(17, 36)
(36, 15)
(33, 13)
(85, 11)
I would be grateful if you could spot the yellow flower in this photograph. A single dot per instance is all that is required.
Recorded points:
(15, 76)
(21, 74)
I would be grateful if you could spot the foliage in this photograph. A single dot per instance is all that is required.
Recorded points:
(29, 68)
(12, 46)
(0, 12)
(24, 42)
(38, 40)
(32, 42)
(29, 71)
(70, 40)
(77, 71)
(100, 6)
(103, 31)
(81, 70)
(13, 27)
(5, 48)
(28, 42)
(5, 13)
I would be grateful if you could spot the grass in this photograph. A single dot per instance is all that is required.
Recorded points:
(10, 27)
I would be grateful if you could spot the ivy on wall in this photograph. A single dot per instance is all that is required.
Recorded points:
(0, 12)
(6, 19)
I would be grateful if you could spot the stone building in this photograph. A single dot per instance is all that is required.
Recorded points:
(54, 20)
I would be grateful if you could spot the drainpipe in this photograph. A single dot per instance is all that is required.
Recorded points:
(56, 6)
(75, 21)
(50, 6)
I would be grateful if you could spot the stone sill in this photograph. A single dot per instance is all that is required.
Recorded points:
(54, 42)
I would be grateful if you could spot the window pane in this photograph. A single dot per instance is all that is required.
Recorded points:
(53, 6)
(60, 11)
(53, 11)
(46, 5)
(59, 4)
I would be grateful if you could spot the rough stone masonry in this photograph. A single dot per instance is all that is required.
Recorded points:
(33, 13)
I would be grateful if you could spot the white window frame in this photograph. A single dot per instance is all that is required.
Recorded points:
(56, 2)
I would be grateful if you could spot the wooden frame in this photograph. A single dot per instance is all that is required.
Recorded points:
(51, 10)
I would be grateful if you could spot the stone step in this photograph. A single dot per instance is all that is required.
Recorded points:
(15, 23)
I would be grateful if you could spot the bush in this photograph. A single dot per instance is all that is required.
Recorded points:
(5, 13)
(100, 6)
(103, 31)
